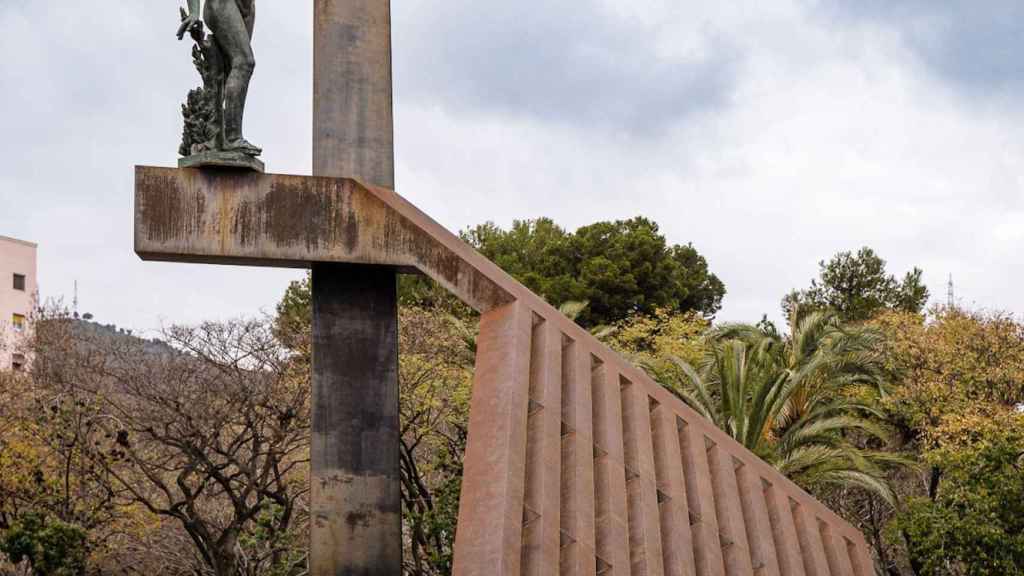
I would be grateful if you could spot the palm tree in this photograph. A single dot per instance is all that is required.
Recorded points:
(799, 401)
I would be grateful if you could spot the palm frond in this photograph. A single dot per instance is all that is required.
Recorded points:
(869, 482)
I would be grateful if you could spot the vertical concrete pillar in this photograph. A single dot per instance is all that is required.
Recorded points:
(356, 527)
(356, 524)
(353, 120)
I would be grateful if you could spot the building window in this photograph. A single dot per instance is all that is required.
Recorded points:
(19, 282)
(18, 362)
(18, 321)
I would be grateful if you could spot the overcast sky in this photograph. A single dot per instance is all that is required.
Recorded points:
(770, 134)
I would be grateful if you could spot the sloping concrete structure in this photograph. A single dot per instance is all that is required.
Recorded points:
(578, 463)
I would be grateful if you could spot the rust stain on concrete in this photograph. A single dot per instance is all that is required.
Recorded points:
(274, 220)
(346, 510)
(159, 206)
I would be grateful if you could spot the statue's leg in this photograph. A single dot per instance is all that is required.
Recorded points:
(248, 8)
(232, 35)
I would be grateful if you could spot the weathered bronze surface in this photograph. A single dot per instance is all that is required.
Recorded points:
(214, 113)
(222, 159)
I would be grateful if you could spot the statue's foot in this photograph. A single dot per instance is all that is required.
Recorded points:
(243, 146)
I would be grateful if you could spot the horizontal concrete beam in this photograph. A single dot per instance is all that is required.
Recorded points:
(246, 218)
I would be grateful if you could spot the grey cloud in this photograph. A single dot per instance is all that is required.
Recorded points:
(977, 45)
(561, 62)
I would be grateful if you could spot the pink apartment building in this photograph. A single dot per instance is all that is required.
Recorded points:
(18, 288)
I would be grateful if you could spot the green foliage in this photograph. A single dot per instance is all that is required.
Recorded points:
(957, 377)
(44, 474)
(435, 378)
(294, 311)
(434, 526)
(51, 547)
(974, 526)
(620, 268)
(294, 314)
(263, 537)
(858, 287)
(955, 361)
(660, 340)
(420, 291)
(799, 402)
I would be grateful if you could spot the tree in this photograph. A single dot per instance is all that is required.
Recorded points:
(49, 546)
(951, 361)
(24, 461)
(958, 377)
(658, 341)
(435, 381)
(209, 431)
(620, 268)
(800, 402)
(49, 491)
(858, 287)
(974, 524)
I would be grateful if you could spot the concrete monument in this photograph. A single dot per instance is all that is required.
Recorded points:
(577, 463)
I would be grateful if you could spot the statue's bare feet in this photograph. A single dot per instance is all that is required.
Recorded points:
(243, 146)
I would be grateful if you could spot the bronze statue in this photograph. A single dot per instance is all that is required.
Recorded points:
(214, 113)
